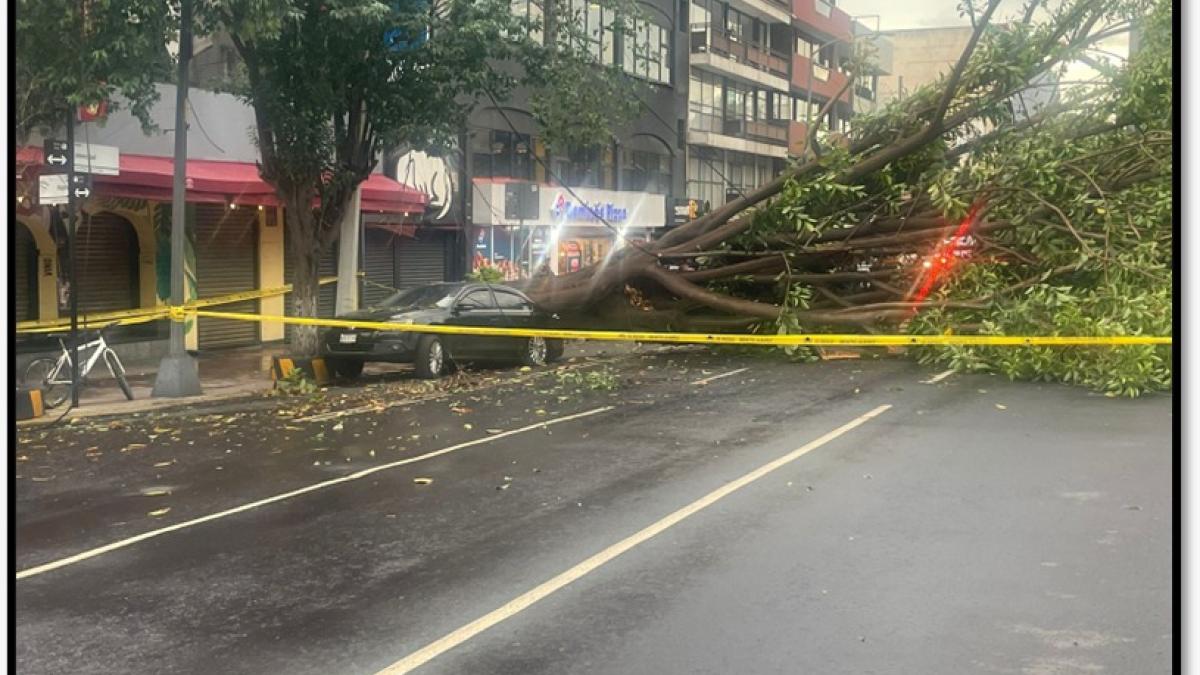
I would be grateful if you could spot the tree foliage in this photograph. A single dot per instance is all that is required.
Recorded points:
(70, 53)
(1067, 209)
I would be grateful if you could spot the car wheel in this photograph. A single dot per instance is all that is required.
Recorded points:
(535, 352)
(554, 350)
(431, 358)
(347, 368)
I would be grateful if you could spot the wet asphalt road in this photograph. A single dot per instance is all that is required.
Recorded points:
(975, 526)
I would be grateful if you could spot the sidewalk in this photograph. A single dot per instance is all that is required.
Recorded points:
(232, 374)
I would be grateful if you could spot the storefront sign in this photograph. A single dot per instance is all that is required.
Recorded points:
(563, 209)
(591, 207)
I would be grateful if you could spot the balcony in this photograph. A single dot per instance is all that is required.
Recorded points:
(712, 40)
(826, 82)
(820, 17)
(774, 132)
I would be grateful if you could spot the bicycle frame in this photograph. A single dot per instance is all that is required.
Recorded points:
(62, 369)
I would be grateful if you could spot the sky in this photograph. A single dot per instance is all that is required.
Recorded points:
(896, 14)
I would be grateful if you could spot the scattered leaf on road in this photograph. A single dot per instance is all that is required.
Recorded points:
(159, 512)
(494, 431)
(160, 464)
(422, 481)
(468, 427)
(155, 493)
(1001, 407)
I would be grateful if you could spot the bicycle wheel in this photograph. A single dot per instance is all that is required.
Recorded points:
(118, 371)
(38, 375)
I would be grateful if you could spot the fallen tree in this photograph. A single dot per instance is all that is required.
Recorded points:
(953, 209)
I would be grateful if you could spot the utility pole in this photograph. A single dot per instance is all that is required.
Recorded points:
(71, 250)
(178, 374)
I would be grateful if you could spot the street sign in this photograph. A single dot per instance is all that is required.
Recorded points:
(101, 160)
(55, 153)
(52, 189)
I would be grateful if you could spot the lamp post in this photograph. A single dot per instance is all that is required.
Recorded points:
(178, 374)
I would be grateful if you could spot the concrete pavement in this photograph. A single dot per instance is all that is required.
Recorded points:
(975, 526)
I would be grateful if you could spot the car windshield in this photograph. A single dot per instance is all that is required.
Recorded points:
(424, 297)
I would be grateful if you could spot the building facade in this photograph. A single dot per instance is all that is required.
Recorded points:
(761, 73)
(529, 207)
(234, 222)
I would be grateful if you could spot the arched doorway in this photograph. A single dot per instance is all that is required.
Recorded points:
(24, 262)
(106, 263)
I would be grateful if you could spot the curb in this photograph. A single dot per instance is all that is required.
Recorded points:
(315, 369)
(29, 404)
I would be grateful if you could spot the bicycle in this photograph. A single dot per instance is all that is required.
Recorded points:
(53, 376)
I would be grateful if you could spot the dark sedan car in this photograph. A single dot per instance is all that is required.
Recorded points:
(458, 304)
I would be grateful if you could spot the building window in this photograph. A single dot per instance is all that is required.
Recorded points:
(781, 106)
(532, 11)
(646, 172)
(501, 154)
(647, 52)
(588, 167)
(596, 25)
(705, 99)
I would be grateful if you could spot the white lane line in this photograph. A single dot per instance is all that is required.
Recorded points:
(79, 557)
(527, 599)
(939, 377)
(717, 377)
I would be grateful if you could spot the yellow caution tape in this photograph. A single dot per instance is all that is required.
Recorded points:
(147, 314)
(712, 338)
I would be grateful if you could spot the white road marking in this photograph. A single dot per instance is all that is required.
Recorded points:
(527, 599)
(717, 377)
(939, 377)
(79, 557)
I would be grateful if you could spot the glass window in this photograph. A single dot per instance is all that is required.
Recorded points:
(508, 300)
(501, 154)
(478, 299)
(646, 172)
(647, 52)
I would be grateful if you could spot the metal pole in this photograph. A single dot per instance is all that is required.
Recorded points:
(71, 248)
(178, 374)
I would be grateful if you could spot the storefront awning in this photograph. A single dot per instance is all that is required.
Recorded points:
(212, 181)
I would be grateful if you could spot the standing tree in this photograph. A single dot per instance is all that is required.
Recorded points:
(329, 95)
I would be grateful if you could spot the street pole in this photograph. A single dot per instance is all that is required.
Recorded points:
(178, 374)
(71, 248)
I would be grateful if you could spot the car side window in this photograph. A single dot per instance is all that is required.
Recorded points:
(512, 301)
(479, 299)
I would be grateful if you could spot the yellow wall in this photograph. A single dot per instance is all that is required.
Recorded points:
(270, 269)
(47, 265)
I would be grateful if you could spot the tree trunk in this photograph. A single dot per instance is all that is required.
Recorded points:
(304, 246)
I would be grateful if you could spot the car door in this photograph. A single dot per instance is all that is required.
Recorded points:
(475, 307)
(518, 313)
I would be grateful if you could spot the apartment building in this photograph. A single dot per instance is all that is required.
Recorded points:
(760, 74)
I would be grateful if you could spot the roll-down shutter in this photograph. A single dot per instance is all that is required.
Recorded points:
(106, 254)
(421, 260)
(226, 252)
(24, 267)
(379, 263)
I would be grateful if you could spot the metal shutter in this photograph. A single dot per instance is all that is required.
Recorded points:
(106, 254)
(379, 262)
(24, 269)
(326, 297)
(226, 253)
(421, 260)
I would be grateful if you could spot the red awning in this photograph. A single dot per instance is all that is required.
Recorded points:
(219, 182)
